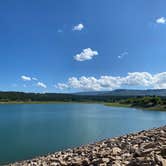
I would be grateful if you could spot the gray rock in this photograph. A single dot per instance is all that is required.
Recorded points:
(116, 150)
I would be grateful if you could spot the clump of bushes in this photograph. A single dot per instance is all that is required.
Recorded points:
(146, 101)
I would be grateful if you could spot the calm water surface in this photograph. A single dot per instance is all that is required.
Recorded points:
(28, 130)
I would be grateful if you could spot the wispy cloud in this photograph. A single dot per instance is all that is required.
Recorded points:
(78, 27)
(86, 54)
(141, 79)
(161, 20)
(41, 84)
(123, 54)
(26, 78)
(34, 78)
(61, 86)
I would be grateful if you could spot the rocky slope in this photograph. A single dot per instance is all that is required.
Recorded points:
(145, 148)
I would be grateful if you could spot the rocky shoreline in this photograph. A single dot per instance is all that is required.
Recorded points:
(145, 148)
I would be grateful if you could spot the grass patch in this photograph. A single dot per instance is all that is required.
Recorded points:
(117, 105)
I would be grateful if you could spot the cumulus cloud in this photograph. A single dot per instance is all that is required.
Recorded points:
(86, 54)
(131, 80)
(78, 27)
(26, 78)
(137, 79)
(161, 20)
(41, 84)
(159, 81)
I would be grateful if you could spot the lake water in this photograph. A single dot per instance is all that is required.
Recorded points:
(29, 130)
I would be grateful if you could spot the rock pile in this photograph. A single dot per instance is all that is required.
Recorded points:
(145, 148)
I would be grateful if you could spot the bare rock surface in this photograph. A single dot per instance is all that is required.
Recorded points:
(145, 148)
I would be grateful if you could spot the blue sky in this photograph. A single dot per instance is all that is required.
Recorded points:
(76, 45)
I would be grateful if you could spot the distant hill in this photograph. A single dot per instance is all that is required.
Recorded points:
(126, 92)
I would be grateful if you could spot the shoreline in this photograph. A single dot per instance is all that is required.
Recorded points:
(48, 102)
(130, 106)
(147, 147)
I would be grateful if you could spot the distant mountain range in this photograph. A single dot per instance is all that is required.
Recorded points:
(126, 92)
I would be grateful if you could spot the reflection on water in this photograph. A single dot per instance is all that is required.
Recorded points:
(28, 130)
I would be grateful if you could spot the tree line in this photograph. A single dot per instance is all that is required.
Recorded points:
(27, 97)
(145, 101)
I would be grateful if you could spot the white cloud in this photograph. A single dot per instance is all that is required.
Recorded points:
(84, 83)
(41, 84)
(138, 79)
(34, 78)
(28, 78)
(135, 79)
(86, 54)
(119, 56)
(123, 54)
(78, 27)
(161, 20)
(61, 86)
(25, 78)
(159, 80)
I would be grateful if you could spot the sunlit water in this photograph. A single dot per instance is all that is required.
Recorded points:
(28, 130)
